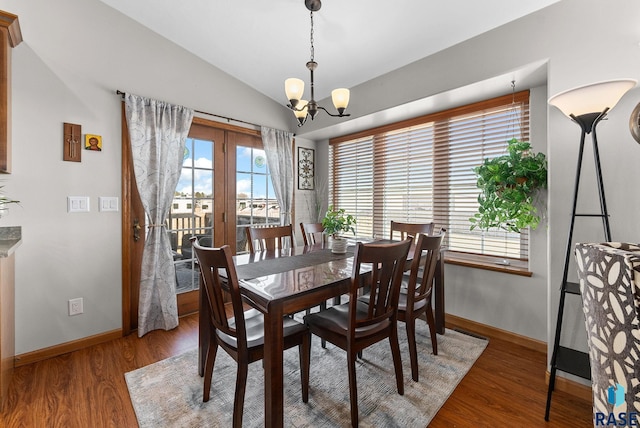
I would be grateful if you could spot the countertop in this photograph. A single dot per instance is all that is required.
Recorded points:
(10, 239)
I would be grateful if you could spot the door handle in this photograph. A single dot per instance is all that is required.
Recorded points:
(136, 230)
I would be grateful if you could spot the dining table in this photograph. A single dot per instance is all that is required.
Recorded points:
(286, 281)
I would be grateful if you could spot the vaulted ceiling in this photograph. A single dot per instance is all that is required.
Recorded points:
(263, 42)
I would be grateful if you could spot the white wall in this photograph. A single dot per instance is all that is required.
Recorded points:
(74, 56)
(76, 53)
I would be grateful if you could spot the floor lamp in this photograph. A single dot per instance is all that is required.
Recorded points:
(586, 106)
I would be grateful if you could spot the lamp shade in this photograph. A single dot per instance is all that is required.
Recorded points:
(340, 98)
(294, 88)
(592, 98)
(301, 109)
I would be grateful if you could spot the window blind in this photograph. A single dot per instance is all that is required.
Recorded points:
(421, 170)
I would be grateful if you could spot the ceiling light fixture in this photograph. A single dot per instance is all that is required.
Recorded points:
(294, 88)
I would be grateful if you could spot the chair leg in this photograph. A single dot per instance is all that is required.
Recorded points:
(238, 403)
(410, 325)
(432, 329)
(397, 361)
(210, 359)
(323, 307)
(305, 361)
(353, 389)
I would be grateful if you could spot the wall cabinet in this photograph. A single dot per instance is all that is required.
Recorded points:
(10, 37)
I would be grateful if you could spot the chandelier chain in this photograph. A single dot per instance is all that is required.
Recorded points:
(311, 38)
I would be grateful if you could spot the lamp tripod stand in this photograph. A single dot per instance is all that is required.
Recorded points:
(586, 106)
(562, 358)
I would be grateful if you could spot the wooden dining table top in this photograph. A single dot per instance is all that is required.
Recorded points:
(291, 274)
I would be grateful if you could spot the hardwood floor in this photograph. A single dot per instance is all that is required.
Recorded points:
(86, 388)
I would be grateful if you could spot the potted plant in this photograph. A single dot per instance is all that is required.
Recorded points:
(509, 185)
(4, 202)
(335, 222)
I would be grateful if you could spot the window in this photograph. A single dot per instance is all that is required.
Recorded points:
(191, 214)
(421, 170)
(255, 197)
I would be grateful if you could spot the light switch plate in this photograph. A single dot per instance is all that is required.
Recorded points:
(108, 203)
(78, 204)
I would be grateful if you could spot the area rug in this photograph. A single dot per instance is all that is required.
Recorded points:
(169, 392)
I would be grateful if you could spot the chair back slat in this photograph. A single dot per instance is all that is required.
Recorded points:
(211, 260)
(269, 237)
(410, 229)
(311, 232)
(387, 261)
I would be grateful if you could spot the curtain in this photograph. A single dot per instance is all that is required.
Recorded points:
(158, 132)
(277, 147)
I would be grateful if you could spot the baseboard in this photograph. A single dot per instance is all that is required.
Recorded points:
(64, 348)
(572, 387)
(452, 321)
(562, 384)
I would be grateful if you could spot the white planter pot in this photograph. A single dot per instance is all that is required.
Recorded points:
(339, 246)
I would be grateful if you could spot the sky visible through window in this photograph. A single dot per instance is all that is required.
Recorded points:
(252, 174)
(197, 168)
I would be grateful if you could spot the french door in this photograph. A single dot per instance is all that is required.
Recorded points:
(205, 205)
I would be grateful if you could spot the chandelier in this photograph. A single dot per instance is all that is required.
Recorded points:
(294, 88)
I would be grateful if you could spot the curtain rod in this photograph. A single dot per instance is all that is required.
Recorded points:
(119, 92)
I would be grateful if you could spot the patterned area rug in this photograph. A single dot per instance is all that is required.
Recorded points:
(169, 392)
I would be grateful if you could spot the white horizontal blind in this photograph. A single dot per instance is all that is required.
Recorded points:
(353, 173)
(421, 170)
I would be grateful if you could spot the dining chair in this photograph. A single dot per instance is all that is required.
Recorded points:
(311, 231)
(410, 229)
(356, 325)
(269, 237)
(415, 299)
(242, 336)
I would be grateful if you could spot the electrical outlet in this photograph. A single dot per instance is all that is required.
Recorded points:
(75, 306)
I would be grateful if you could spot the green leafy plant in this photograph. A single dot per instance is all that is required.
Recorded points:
(509, 185)
(5, 200)
(337, 221)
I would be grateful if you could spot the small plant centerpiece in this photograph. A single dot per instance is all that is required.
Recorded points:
(4, 203)
(509, 185)
(335, 222)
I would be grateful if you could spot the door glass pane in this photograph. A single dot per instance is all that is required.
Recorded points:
(255, 198)
(191, 212)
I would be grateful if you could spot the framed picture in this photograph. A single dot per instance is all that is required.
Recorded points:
(306, 168)
(93, 142)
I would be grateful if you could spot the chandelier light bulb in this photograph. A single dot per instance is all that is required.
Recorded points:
(301, 111)
(294, 88)
(340, 98)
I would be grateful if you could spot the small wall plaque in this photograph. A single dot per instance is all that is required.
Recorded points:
(93, 142)
(71, 142)
(306, 168)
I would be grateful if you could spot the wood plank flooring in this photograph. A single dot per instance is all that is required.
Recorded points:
(86, 388)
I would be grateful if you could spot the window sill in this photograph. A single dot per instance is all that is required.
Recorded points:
(496, 264)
